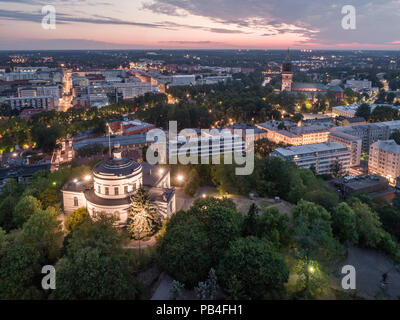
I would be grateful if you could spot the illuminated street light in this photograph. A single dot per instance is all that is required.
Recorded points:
(161, 171)
(88, 177)
(204, 195)
(75, 180)
(311, 269)
(54, 183)
(179, 178)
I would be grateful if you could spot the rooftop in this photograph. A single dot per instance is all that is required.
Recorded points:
(389, 146)
(310, 148)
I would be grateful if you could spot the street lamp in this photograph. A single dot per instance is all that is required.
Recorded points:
(179, 178)
(311, 269)
(88, 177)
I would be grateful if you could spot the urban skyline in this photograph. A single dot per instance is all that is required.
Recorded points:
(150, 24)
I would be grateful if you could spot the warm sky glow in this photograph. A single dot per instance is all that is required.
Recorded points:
(252, 24)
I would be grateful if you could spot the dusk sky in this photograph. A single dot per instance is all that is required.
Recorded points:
(150, 24)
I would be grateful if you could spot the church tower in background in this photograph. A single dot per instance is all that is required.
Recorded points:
(287, 73)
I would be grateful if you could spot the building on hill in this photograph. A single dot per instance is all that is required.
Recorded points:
(112, 184)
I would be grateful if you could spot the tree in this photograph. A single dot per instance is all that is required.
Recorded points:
(221, 225)
(175, 293)
(96, 266)
(337, 169)
(344, 223)
(368, 224)
(396, 202)
(251, 269)
(208, 290)
(184, 250)
(324, 198)
(193, 182)
(364, 111)
(24, 209)
(143, 216)
(76, 218)
(395, 136)
(250, 221)
(43, 232)
(313, 241)
(6, 212)
(19, 272)
(274, 226)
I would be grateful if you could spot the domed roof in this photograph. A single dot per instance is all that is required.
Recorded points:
(116, 166)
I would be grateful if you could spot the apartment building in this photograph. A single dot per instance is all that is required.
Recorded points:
(352, 143)
(384, 159)
(322, 156)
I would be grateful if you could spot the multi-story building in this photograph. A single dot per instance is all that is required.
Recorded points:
(384, 159)
(321, 156)
(296, 136)
(358, 85)
(353, 144)
(45, 102)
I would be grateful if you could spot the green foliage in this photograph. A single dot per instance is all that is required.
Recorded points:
(76, 218)
(368, 225)
(344, 223)
(250, 221)
(251, 269)
(207, 290)
(43, 232)
(313, 240)
(195, 240)
(175, 292)
(364, 110)
(24, 209)
(395, 136)
(324, 198)
(274, 226)
(193, 182)
(95, 265)
(184, 251)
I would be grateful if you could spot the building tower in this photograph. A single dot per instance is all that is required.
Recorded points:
(287, 73)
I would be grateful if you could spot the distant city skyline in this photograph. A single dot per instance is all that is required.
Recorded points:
(198, 24)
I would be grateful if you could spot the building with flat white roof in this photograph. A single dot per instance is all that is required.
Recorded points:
(384, 159)
(322, 156)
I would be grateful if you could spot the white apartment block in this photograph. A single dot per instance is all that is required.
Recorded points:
(353, 144)
(320, 155)
(384, 159)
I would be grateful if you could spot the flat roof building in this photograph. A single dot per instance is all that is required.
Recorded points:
(322, 156)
